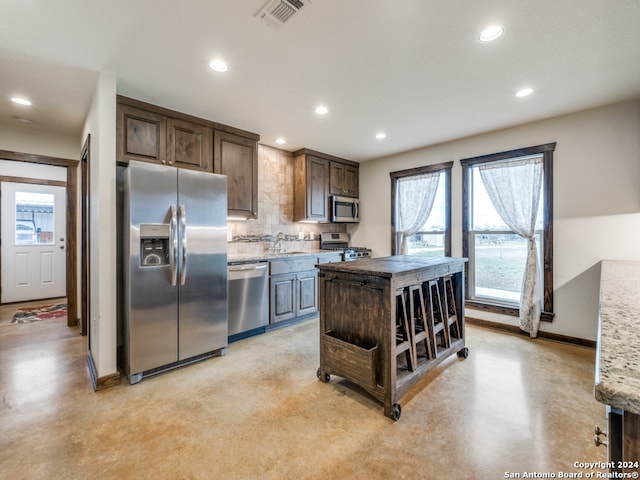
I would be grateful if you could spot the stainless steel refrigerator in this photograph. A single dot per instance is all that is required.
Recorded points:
(172, 275)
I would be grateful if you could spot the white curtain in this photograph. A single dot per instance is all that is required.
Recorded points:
(414, 200)
(514, 189)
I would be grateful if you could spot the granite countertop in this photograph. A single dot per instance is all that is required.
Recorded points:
(617, 381)
(390, 266)
(264, 257)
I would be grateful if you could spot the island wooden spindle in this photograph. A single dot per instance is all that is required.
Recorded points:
(403, 335)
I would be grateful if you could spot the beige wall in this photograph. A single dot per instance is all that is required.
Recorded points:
(596, 200)
(26, 139)
(101, 125)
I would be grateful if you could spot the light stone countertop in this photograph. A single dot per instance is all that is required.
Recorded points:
(263, 257)
(617, 381)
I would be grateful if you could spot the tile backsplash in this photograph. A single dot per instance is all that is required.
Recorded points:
(274, 228)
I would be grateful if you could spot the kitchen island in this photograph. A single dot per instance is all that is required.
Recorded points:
(386, 322)
(617, 378)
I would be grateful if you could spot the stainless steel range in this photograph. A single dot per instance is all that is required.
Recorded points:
(340, 242)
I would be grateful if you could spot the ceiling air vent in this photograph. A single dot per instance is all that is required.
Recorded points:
(277, 12)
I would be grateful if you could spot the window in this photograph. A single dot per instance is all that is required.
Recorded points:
(421, 211)
(497, 254)
(34, 218)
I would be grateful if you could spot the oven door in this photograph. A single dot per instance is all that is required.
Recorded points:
(345, 209)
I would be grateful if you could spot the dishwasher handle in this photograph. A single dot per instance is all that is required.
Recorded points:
(249, 270)
(250, 266)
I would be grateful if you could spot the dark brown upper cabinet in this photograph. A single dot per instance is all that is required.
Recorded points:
(310, 187)
(189, 145)
(142, 135)
(316, 176)
(237, 158)
(343, 179)
(154, 134)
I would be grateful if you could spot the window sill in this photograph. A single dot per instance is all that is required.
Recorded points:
(504, 309)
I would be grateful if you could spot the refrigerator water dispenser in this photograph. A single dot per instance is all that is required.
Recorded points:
(154, 245)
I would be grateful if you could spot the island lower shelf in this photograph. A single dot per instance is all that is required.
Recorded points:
(386, 322)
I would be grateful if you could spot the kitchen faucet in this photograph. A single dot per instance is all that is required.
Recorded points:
(277, 244)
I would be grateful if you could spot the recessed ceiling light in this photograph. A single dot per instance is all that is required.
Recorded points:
(21, 101)
(280, 141)
(524, 92)
(322, 110)
(491, 33)
(218, 65)
(381, 135)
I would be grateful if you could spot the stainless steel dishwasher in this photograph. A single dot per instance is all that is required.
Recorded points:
(248, 298)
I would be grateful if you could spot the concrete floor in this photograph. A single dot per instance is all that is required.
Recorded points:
(514, 406)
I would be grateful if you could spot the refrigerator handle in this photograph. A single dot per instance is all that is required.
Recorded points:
(183, 234)
(173, 237)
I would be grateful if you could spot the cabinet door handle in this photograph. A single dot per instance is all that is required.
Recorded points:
(598, 441)
(596, 438)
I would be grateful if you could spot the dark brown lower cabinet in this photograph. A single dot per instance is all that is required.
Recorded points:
(293, 286)
(307, 299)
(293, 295)
(283, 297)
(622, 439)
(631, 442)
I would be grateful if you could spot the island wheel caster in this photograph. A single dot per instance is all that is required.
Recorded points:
(464, 353)
(396, 410)
(323, 377)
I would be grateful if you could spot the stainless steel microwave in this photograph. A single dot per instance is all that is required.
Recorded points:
(344, 209)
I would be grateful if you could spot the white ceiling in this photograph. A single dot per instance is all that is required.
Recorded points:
(410, 68)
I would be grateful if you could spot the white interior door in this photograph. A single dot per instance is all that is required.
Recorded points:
(33, 241)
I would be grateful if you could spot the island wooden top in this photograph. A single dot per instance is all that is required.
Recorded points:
(617, 381)
(393, 266)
